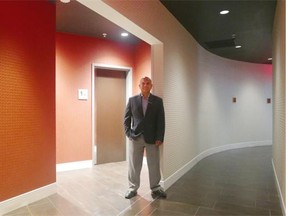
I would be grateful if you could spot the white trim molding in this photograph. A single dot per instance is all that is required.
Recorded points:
(74, 165)
(27, 198)
(279, 190)
(179, 173)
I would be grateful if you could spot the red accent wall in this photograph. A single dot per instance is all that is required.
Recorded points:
(74, 56)
(27, 98)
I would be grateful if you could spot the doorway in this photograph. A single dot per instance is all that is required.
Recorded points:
(111, 88)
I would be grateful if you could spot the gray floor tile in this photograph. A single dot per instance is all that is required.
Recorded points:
(24, 211)
(44, 209)
(235, 182)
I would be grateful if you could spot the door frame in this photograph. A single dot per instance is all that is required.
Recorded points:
(94, 67)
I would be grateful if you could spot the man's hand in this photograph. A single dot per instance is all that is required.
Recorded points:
(158, 143)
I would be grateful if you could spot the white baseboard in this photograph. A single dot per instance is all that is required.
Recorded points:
(74, 165)
(27, 198)
(279, 191)
(179, 173)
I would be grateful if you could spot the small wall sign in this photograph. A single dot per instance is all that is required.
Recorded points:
(268, 100)
(82, 94)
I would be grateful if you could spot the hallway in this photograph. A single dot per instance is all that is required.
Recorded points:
(234, 182)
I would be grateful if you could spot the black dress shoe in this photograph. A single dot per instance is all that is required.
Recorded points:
(130, 194)
(158, 194)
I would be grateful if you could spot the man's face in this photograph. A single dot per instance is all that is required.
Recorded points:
(145, 85)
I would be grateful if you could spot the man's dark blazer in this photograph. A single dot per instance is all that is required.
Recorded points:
(152, 125)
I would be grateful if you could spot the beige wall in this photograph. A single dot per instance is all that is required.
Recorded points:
(279, 85)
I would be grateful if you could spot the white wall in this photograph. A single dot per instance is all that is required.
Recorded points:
(219, 120)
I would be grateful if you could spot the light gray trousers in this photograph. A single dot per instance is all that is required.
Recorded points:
(136, 151)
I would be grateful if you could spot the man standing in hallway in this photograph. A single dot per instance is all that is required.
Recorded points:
(144, 123)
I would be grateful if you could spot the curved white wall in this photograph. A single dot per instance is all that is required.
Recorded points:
(197, 88)
(200, 114)
(219, 120)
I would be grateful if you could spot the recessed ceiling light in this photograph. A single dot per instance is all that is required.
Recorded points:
(238, 46)
(124, 34)
(65, 1)
(223, 12)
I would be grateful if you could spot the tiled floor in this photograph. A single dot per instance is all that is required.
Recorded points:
(235, 182)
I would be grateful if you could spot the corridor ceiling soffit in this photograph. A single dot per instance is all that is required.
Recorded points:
(248, 24)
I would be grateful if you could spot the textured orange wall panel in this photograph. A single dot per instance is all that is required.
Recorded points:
(74, 57)
(27, 96)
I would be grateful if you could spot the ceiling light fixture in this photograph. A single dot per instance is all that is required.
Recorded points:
(269, 59)
(124, 34)
(238, 46)
(104, 35)
(223, 12)
(65, 1)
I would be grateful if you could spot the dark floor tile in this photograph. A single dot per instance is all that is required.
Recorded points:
(175, 207)
(146, 211)
(161, 212)
(211, 212)
(66, 207)
(274, 198)
(237, 200)
(194, 191)
(203, 188)
(193, 200)
(246, 194)
(276, 213)
(245, 184)
(242, 210)
(268, 205)
(137, 206)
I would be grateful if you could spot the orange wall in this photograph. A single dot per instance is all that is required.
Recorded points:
(74, 57)
(142, 65)
(27, 99)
